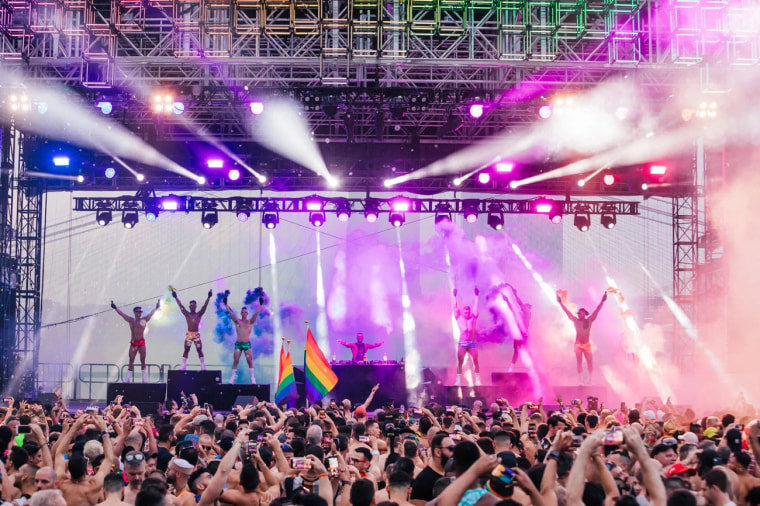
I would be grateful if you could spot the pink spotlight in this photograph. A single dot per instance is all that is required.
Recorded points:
(257, 108)
(343, 216)
(371, 217)
(609, 179)
(657, 170)
(313, 205)
(544, 207)
(401, 205)
(484, 178)
(215, 163)
(476, 110)
(545, 112)
(505, 167)
(233, 175)
(556, 219)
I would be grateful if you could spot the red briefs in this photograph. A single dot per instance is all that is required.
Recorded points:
(137, 344)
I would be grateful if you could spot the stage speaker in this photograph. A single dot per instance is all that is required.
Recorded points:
(201, 383)
(433, 383)
(225, 395)
(516, 387)
(137, 392)
(242, 400)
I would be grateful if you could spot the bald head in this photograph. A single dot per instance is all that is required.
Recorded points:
(45, 478)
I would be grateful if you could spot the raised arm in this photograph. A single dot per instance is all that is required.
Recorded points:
(567, 312)
(63, 445)
(371, 396)
(179, 302)
(120, 312)
(205, 304)
(344, 343)
(231, 312)
(375, 345)
(105, 467)
(651, 478)
(475, 304)
(216, 484)
(455, 304)
(150, 315)
(258, 310)
(598, 308)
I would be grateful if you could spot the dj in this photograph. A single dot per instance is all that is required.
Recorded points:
(359, 348)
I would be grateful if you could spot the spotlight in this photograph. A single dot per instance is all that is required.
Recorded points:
(495, 216)
(505, 166)
(314, 203)
(608, 221)
(543, 206)
(317, 218)
(215, 163)
(581, 183)
(476, 110)
(243, 210)
(42, 107)
(484, 178)
(401, 204)
(140, 178)
(178, 108)
(257, 108)
(343, 209)
(555, 215)
(80, 178)
(545, 112)
(608, 179)
(129, 219)
(171, 203)
(233, 175)
(371, 207)
(442, 213)
(61, 161)
(397, 219)
(19, 103)
(644, 186)
(582, 221)
(262, 178)
(271, 216)
(209, 219)
(657, 170)
(105, 107)
(470, 210)
(110, 172)
(103, 217)
(151, 213)
(201, 180)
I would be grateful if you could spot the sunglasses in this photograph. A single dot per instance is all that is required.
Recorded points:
(137, 457)
(207, 448)
(356, 461)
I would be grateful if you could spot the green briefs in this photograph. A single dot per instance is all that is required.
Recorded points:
(243, 346)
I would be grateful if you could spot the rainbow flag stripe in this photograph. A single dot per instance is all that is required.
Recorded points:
(286, 385)
(320, 379)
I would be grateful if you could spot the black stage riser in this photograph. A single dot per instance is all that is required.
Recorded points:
(201, 383)
(138, 392)
(225, 395)
(355, 382)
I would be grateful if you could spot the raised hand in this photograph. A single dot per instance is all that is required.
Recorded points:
(113, 306)
(210, 293)
(158, 303)
(261, 300)
(455, 292)
(174, 294)
(604, 297)
(226, 295)
(477, 292)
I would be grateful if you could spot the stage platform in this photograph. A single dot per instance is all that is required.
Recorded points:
(355, 382)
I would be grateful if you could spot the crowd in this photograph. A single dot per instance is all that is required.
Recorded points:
(338, 454)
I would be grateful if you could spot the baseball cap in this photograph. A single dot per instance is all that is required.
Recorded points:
(734, 439)
(198, 419)
(181, 466)
(661, 448)
(711, 432)
(360, 411)
(508, 459)
(679, 468)
(689, 437)
(709, 459)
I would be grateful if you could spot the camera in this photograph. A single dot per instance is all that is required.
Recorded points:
(390, 430)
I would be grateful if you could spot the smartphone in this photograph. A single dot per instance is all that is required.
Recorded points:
(270, 404)
(300, 463)
(457, 436)
(593, 403)
(253, 447)
(575, 402)
(138, 422)
(364, 439)
(531, 430)
(205, 405)
(7, 400)
(91, 410)
(322, 413)
(332, 466)
(504, 474)
(577, 441)
(23, 429)
(622, 406)
(739, 426)
(613, 437)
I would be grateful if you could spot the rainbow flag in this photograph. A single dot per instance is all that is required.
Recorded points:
(286, 385)
(320, 379)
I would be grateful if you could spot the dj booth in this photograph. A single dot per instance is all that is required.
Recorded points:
(355, 382)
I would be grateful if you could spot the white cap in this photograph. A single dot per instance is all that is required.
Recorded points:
(689, 437)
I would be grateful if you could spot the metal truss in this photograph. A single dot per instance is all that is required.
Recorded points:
(7, 260)
(233, 204)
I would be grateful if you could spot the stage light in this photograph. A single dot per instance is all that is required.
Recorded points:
(495, 216)
(19, 103)
(243, 214)
(371, 207)
(317, 218)
(396, 219)
(151, 212)
(233, 175)
(343, 210)
(262, 178)
(42, 107)
(178, 108)
(103, 217)
(314, 204)
(657, 170)
(105, 107)
(484, 178)
(504, 166)
(581, 183)
(470, 210)
(608, 179)
(582, 222)
(242, 209)
(215, 163)
(171, 203)
(271, 216)
(476, 110)
(129, 219)
(543, 206)
(257, 108)
(442, 213)
(332, 181)
(201, 180)
(110, 172)
(209, 219)
(556, 216)
(80, 178)
(457, 181)
(61, 161)
(545, 111)
(608, 221)
(401, 204)
(644, 186)
(140, 178)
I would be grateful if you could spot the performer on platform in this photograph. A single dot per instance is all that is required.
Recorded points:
(359, 348)
(522, 316)
(244, 327)
(137, 337)
(582, 324)
(193, 334)
(466, 319)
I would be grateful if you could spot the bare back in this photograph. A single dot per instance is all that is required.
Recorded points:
(85, 492)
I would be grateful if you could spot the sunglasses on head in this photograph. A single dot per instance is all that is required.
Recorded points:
(136, 457)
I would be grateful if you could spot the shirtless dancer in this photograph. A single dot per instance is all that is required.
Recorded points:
(466, 319)
(193, 334)
(137, 331)
(582, 324)
(522, 315)
(243, 326)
